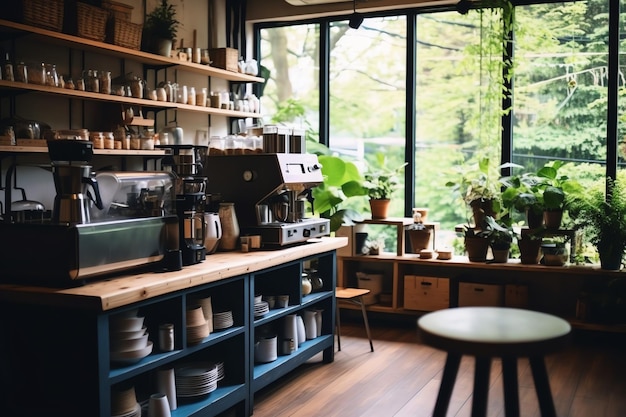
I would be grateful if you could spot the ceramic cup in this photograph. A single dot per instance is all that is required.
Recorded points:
(159, 406)
(166, 384)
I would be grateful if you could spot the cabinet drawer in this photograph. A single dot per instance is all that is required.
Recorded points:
(426, 293)
(474, 294)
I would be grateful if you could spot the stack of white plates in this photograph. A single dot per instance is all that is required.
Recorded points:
(261, 308)
(220, 370)
(223, 320)
(196, 379)
(197, 326)
(128, 339)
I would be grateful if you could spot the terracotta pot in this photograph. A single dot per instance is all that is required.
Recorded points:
(481, 209)
(530, 251)
(552, 219)
(534, 220)
(476, 248)
(379, 208)
(500, 256)
(420, 239)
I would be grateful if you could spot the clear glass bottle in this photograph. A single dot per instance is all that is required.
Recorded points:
(7, 69)
(105, 82)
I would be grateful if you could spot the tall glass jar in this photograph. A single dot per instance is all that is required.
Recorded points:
(230, 227)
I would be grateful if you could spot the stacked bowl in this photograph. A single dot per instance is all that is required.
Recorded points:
(128, 339)
(197, 325)
(124, 403)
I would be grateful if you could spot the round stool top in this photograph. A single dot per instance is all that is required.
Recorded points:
(493, 331)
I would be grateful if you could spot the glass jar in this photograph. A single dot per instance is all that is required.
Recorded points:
(7, 69)
(105, 82)
(52, 78)
(136, 87)
(21, 72)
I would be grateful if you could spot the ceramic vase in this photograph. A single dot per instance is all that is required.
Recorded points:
(301, 330)
(310, 324)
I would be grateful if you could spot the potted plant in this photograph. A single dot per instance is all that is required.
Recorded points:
(500, 235)
(520, 193)
(476, 243)
(478, 186)
(602, 217)
(380, 184)
(342, 181)
(160, 29)
(555, 191)
(529, 244)
(554, 251)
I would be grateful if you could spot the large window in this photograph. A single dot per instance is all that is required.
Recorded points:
(450, 90)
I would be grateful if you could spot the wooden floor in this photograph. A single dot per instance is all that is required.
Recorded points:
(401, 378)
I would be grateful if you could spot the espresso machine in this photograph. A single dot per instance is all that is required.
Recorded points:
(101, 224)
(270, 192)
(185, 161)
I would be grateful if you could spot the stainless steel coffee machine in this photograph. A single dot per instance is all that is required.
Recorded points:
(126, 223)
(270, 192)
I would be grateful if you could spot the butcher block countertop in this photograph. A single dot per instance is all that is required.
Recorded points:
(111, 293)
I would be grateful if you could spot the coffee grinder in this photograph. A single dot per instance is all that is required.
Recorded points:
(186, 162)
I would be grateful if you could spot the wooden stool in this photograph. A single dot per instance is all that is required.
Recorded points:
(354, 296)
(488, 332)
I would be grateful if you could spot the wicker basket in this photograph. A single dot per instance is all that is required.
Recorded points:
(117, 10)
(124, 33)
(91, 22)
(47, 14)
(225, 58)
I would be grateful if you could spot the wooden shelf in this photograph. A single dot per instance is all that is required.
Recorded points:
(401, 224)
(113, 152)
(125, 53)
(87, 95)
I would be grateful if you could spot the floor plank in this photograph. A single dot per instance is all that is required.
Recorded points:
(401, 378)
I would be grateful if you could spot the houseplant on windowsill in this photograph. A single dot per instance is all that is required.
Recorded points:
(380, 184)
(331, 199)
(602, 217)
(555, 193)
(500, 235)
(520, 194)
(478, 187)
(160, 29)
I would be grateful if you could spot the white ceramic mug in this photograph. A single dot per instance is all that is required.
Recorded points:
(213, 232)
(166, 384)
(159, 406)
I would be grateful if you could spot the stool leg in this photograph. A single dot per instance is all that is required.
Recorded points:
(481, 387)
(542, 386)
(511, 392)
(367, 325)
(447, 384)
(338, 326)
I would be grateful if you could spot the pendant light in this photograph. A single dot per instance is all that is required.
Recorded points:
(356, 19)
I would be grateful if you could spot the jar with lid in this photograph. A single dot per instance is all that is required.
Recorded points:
(201, 97)
(182, 94)
(37, 74)
(108, 140)
(105, 82)
(216, 146)
(191, 96)
(136, 87)
(7, 69)
(21, 72)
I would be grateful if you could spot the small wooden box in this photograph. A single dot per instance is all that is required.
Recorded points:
(224, 58)
(426, 293)
(474, 294)
(346, 231)
(516, 296)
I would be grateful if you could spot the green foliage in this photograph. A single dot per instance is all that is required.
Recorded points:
(342, 180)
(162, 22)
(475, 182)
(602, 217)
(381, 181)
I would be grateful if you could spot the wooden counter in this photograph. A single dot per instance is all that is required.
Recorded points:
(122, 290)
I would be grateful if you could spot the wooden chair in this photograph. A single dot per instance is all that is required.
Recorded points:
(354, 296)
(488, 332)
